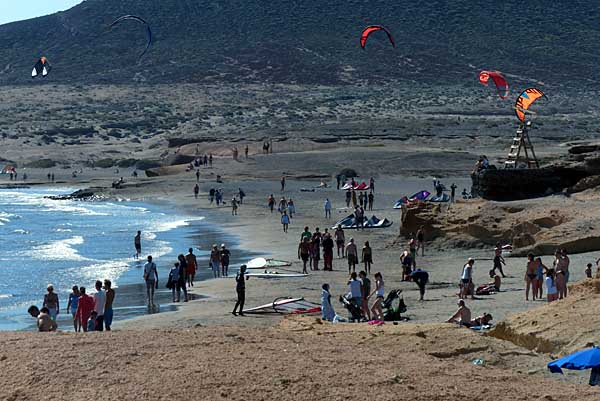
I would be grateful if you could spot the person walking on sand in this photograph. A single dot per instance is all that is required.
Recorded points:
(421, 240)
(240, 288)
(192, 265)
(353, 194)
(85, 307)
(348, 197)
(182, 282)
(379, 292)
(196, 191)
(372, 184)
(367, 257)
(282, 207)
(365, 290)
(246, 151)
(174, 278)
(291, 208)
(285, 221)
(352, 255)
(137, 242)
(340, 240)
(242, 195)
(198, 175)
(234, 206)
(282, 183)
(151, 279)
(327, 208)
(327, 252)
(467, 280)
(452, 192)
(51, 302)
(72, 305)
(225, 256)
(304, 252)
(215, 260)
(271, 202)
(108, 306)
(371, 200)
(361, 199)
(498, 259)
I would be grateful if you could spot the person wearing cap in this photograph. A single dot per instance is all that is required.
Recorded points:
(240, 288)
(215, 260)
(51, 302)
(224, 253)
(462, 315)
(467, 279)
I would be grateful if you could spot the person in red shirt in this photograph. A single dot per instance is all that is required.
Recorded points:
(84, 308)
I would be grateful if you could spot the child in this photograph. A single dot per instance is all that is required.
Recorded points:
(588, 270)
(91, 323)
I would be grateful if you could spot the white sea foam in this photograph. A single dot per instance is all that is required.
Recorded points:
(59, 250)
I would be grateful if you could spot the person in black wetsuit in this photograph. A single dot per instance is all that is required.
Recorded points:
(420, 277)
(240, 288)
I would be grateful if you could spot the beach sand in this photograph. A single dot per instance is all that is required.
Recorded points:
(201, 351)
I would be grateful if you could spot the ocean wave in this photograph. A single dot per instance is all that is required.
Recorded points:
(59, 250)
(163, 226)
(21, 231)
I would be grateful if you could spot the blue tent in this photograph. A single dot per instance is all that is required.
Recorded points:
(586, 359)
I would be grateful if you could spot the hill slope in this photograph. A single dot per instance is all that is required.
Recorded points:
(302, 42)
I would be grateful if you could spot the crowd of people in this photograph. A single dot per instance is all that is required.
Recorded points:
(88, 312)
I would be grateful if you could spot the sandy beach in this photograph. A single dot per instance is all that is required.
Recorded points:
(200, 347)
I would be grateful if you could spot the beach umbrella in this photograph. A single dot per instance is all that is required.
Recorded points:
(585, 359)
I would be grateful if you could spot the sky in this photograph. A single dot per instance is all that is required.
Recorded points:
(16, 10)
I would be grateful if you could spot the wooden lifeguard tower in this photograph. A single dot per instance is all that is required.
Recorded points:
(521, 153)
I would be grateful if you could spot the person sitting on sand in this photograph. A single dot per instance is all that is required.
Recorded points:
(490, 288)
(352, 255)
(91, 323)
(44, 322)
(588, 271)
(482, 320)
(462, 316)
(327, 311)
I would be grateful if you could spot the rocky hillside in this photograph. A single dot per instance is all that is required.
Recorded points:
(544, 42)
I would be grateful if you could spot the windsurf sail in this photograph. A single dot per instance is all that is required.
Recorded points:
(262, 263)
(416, 197)
(287, 306)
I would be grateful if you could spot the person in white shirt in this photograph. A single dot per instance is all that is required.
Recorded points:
(151, 279)
(356, 289)
(99, 302)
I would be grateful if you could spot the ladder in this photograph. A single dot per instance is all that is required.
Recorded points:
(521, 151)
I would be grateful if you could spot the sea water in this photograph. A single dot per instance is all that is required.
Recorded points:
(69, 242)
